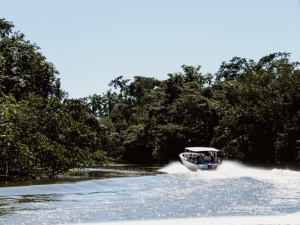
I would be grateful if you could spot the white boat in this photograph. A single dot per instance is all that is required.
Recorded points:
(200, 158)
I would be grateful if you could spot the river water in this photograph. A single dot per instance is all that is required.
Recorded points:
(173, 192)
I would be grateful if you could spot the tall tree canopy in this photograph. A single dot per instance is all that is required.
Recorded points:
(259, 109)
(23, 69)
(250, 110)
(42, 134)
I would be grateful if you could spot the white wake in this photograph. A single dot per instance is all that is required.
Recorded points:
(231, 169)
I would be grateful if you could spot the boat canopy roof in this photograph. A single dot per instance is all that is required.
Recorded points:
(201, 149)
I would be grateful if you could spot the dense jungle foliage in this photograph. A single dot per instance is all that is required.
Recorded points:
(250, 110)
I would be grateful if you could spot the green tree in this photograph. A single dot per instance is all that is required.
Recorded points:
(259, 105)
(95, 104)
(39, 133)
(23, 69)
(110, 99)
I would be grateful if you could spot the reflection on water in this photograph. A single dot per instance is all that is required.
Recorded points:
(153, 193)
(75, 175)
(123, 170)
(37, 198)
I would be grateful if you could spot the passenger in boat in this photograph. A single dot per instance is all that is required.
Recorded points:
(185, 156)
(193, 159)
(201, 159)
(198, 158)
(212, 160)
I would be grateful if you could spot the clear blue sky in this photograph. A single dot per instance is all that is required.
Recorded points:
(91, 42)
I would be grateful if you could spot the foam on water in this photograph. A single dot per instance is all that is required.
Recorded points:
(231, 169)
(174, 168)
